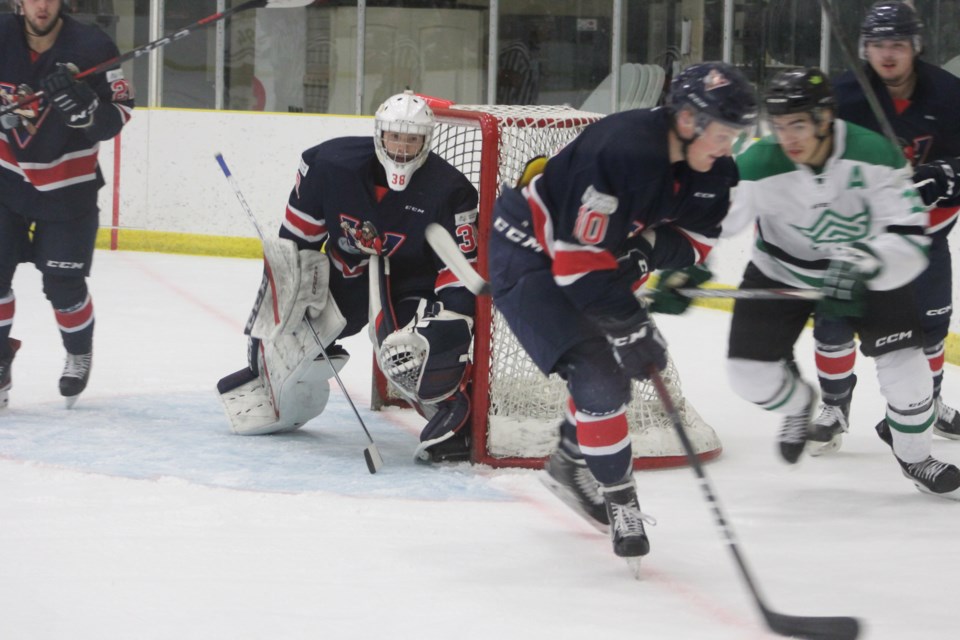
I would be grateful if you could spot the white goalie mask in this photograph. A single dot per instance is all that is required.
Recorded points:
(403, 130)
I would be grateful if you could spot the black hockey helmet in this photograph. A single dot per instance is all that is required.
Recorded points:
(16, 5)
(715, 91)
(891, 20)
(798, 91)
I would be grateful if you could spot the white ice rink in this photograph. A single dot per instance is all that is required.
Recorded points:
(138, 515)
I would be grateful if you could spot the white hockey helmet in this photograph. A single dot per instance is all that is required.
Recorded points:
(406, 114)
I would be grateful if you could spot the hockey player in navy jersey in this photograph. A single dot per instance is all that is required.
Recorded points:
(637, 191)
(357, 202)
(833, 209)
(920, 101)
(49, 175)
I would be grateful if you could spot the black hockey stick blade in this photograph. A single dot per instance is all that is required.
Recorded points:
(813, 627)
(807, 627)
(372, 455)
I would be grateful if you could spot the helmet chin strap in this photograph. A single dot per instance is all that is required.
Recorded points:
(686, 142)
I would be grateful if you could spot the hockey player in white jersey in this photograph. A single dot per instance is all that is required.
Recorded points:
(835, 210)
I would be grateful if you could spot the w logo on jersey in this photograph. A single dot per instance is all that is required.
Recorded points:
(831, 228)
(31, 116)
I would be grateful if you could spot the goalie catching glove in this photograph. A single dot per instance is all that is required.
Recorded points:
(845, 281)
(428, 358)
(637, 343)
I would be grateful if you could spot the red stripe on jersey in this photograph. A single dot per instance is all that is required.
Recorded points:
(273, 291)
(701, 249)
(76, 320)
(941, 216)
(603, 432)
(836, 366)
(69, 169)
(7, 308)
(446, 278)
(571, 263)
(539, 218)
(307, 227)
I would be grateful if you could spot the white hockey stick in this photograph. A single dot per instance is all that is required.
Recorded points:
(372, 453)
(445, 247)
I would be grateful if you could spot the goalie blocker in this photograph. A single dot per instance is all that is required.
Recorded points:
(287, 381)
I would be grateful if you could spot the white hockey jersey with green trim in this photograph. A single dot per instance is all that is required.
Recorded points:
(863, 194)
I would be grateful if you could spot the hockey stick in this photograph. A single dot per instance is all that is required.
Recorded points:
(164, 41)
(446, 248)
(810, 627)
(854, 63)
(372, 453)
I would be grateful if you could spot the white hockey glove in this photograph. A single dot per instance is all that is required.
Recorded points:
(427, 359)
(298, 284)
(845, 281)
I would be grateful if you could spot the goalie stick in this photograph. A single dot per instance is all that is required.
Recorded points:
(371, 454)
(446, 248)
(164, 41)
(809, 627)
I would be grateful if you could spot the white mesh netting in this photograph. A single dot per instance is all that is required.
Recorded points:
(524, 405)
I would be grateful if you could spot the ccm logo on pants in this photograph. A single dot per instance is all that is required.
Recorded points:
(894, 337)
(59, 264)
(939, 312)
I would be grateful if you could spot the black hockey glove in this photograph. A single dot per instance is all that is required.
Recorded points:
(666, 298)
(937, 180)
(845, 282)
(74, 99)
(637, 343)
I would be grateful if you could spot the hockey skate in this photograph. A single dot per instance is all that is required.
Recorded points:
(6, 377)
(830, 425)
(569, 479)
(626, 519)
(931, 476)
(796, 429)
(948, 421)
(446, 437)
(76, 373)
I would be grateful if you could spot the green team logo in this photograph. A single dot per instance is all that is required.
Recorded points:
(832, 227)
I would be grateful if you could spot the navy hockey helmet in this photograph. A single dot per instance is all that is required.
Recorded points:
(714, 91)
(891, 20)
(798, 91)
(16, 5)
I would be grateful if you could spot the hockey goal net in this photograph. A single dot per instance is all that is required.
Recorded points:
(516, 409)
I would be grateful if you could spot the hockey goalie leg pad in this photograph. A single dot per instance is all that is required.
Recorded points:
(292, 386)
(248, 403)
(446, 436)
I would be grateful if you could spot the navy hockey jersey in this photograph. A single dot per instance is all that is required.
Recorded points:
(342, 182)
(49, 171)
(928, 129)
(609, 185)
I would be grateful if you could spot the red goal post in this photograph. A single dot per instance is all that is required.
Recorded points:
(516, 409)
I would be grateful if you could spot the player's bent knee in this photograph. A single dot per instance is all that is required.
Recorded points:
(64, 291)
(755, 380)
(595, 380)
(904, 377)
